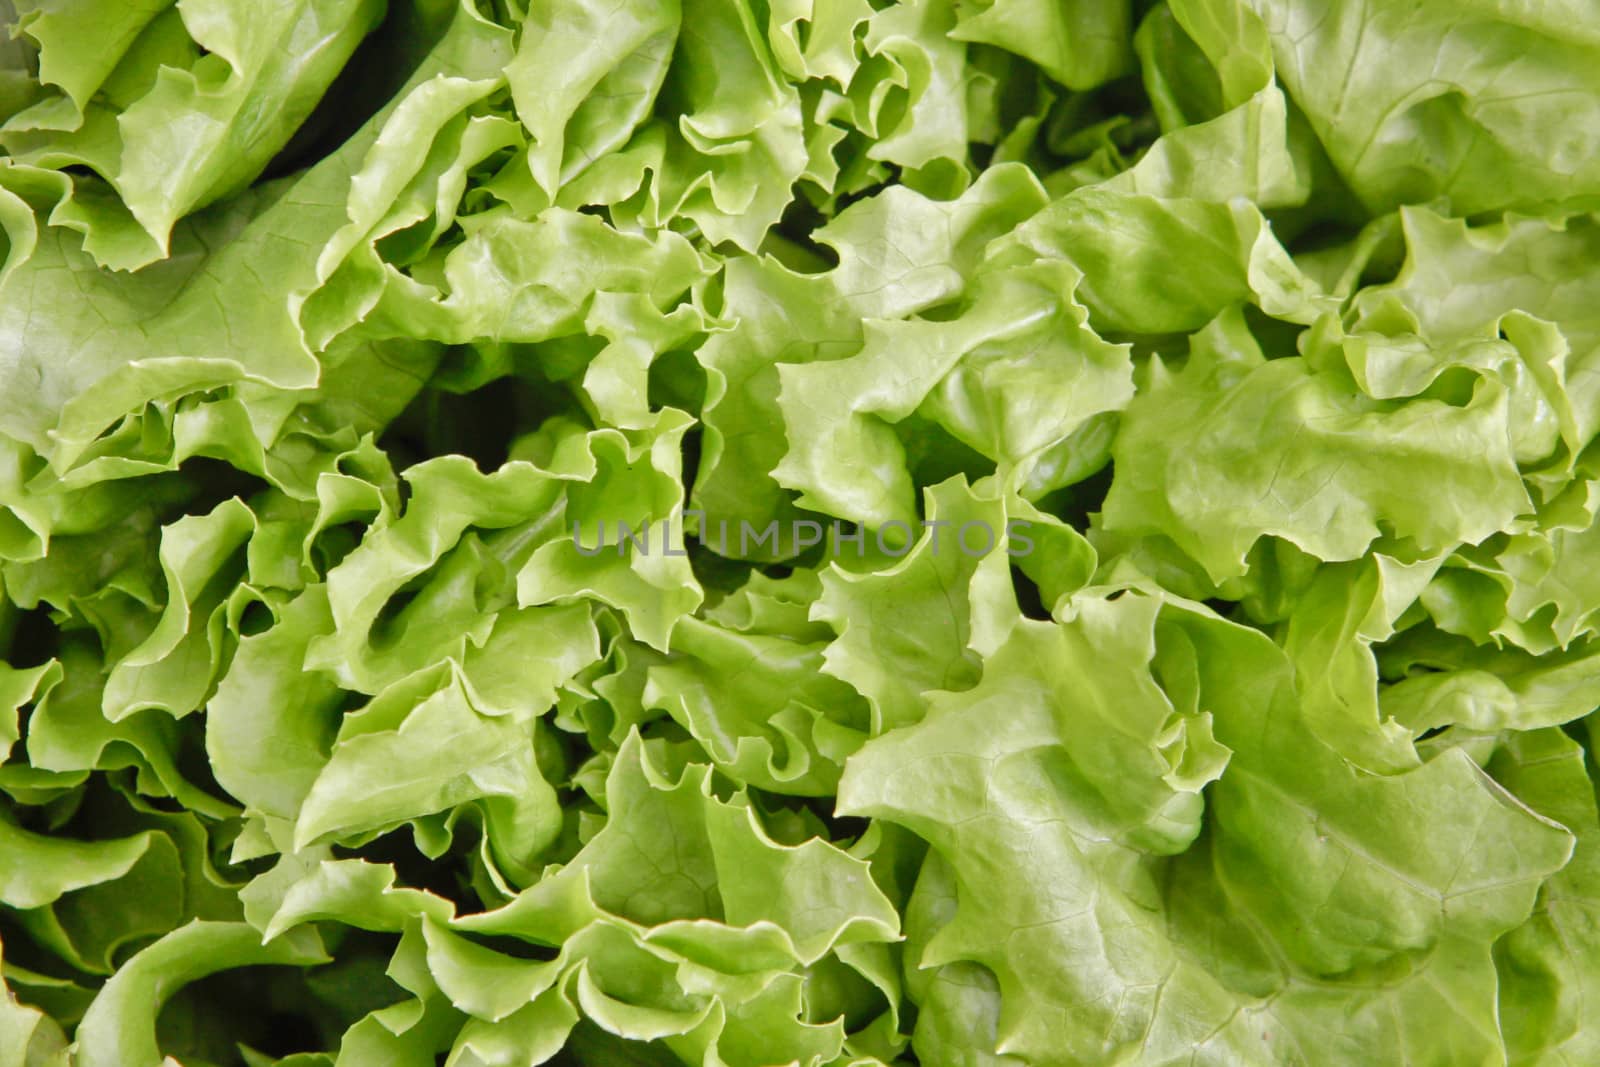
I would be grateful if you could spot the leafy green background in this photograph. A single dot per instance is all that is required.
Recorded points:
(323, 323)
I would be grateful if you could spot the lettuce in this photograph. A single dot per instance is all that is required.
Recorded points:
(818, 532)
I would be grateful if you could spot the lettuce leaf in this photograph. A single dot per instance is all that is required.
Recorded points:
(835, 533)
